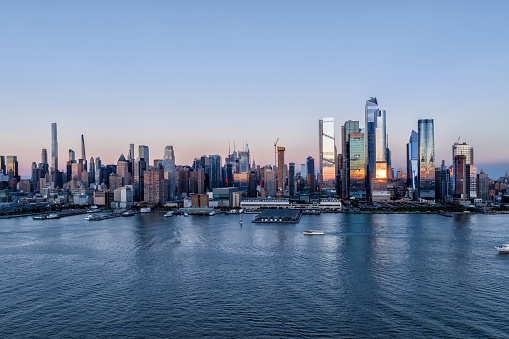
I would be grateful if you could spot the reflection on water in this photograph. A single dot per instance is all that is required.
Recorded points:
(369, 276)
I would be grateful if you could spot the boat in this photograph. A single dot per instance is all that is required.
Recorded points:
(145, 210)
(186, 214)
(503, 248)
(212, 213)
(53, 216)
(240, 220)
(169, 214)
(311, 232)
(128, 213)
(39, 217)
(88, 217)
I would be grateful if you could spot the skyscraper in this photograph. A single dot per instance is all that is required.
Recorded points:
(280, 173)
(310, 177)
(468, 152)
(131, 156)
(327, 153)
(143, 153)
(2, 164)
(370, 137)
(346, 130)
(54, 147)
(169, 170)
(11, 167)
(44, 156)
(426, 175)
(72, 156)
(123, 169)
(291, 179)
(412, 161)
(215, 180)
(357, 171)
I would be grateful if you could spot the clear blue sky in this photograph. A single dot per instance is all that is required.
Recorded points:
(197, 74)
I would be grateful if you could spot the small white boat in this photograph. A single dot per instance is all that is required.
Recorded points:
(310, 232)
(89, 216)
(240, 220)
(145, 210)
(128, 213)
(212, 213)
(53, 216)
(503, 248)
(169, 214)
(186, 214)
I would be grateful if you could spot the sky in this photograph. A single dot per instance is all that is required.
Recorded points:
(199, 75)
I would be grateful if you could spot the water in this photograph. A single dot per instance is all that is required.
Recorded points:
(148, 276)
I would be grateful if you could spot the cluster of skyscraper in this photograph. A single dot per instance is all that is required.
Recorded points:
(361, 171)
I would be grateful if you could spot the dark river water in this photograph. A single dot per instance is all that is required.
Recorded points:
(379, 276)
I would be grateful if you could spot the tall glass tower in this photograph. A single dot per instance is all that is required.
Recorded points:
(370, 136)
(376, 152)
(357, 174)
(327, 151)
(468, 152)
(346, 130)
(426, 176)
(54, 147)
(412, 160)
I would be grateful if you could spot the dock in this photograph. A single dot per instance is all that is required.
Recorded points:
(283, 216)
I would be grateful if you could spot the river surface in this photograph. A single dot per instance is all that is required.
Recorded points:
(378, 276)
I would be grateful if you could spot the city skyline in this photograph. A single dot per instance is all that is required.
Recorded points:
(228, 71)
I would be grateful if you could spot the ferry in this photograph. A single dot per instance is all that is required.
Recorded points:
(53, 216)
(39, 217)
(310, 232)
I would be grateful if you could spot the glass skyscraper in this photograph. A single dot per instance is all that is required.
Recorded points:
(376, 151)
(357, 173)
(346, 130)
(468, 152)
(412, 160)
(327, 152)
(426, 175)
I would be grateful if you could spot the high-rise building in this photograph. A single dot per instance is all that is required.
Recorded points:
(310, 177)
(346, 130)
(280, 174)
(412, 149)
(376, 152)
(483, 186)
(443, 185)
(215, 179)
(140, 166)
(426, 175)
(371, 111)
(155, 185)
(2, 164)
(44, 156)
(83, 154)
(131, 155)
(357, 171)
(54, 147)
(468, 152)
(11, 167)
(169, 170)
(291, 179)
(123, 169)
(72, 156)
(143, 153)
(327, 153)
(460, 177)
(91, 171)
